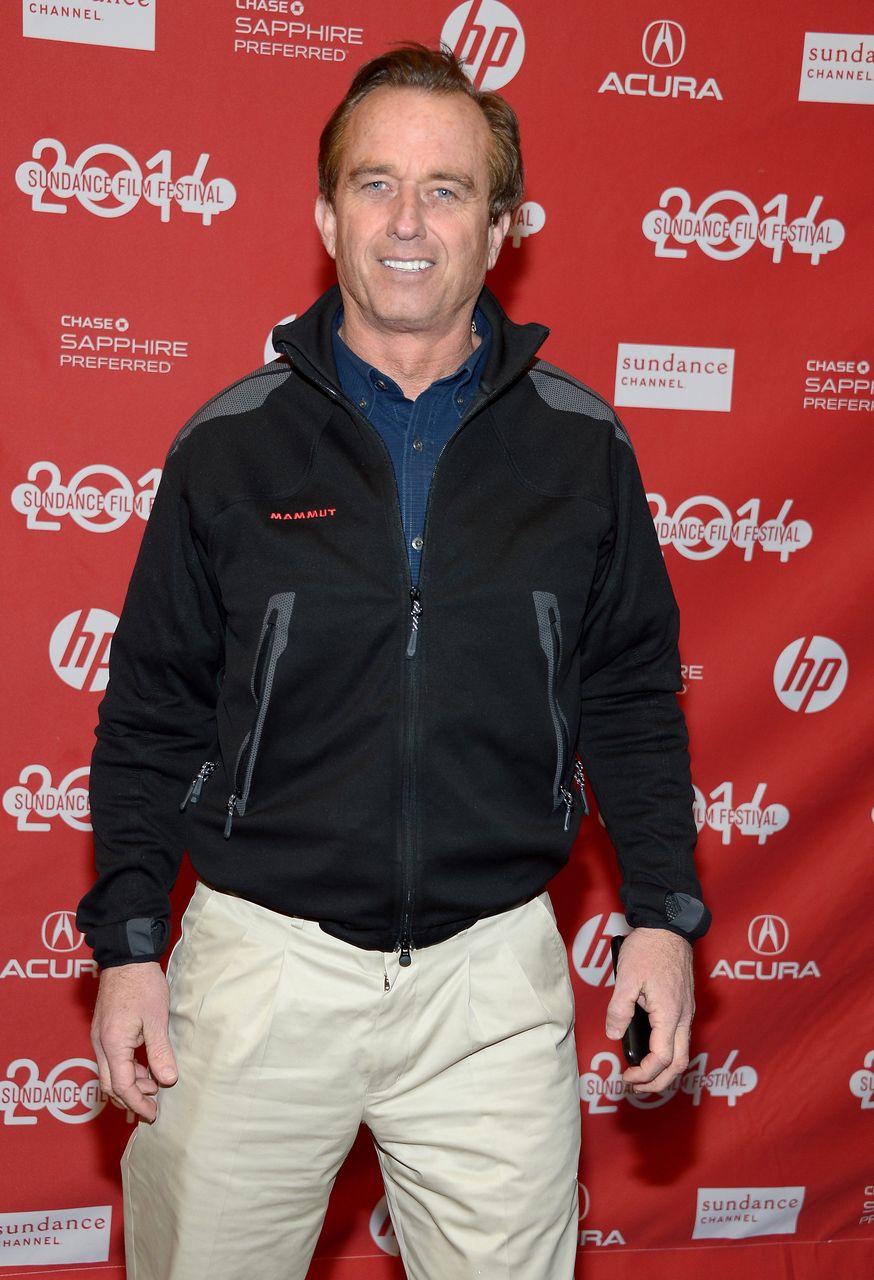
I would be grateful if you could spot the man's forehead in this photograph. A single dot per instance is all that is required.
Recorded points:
(398, 119)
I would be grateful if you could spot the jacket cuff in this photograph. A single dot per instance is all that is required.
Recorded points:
(650, 906)
(136, 941)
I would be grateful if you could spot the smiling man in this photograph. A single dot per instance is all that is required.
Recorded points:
(372, 733)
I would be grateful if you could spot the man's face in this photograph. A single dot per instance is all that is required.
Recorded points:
(409, 227)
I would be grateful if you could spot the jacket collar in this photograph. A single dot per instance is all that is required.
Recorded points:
(307, 342)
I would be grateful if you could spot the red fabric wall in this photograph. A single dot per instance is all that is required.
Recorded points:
(697, 233)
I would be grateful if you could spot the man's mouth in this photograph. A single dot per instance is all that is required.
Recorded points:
(407, 264)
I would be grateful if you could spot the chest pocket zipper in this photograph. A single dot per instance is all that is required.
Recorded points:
(549, 629)
(272, 643)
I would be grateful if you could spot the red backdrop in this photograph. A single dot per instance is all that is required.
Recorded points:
(697, 233)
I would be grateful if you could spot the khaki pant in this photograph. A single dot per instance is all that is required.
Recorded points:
(462, 1065)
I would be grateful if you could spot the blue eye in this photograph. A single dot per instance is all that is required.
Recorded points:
(444, 193)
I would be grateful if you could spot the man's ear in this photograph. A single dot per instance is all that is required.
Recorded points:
(326, 221)
(497, 232)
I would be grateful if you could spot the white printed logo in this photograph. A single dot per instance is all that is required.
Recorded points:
(651, 376)
(381, 1230)
(767, 936)
(703, 526)
(837, 67)
(59, 935)
(810, 674)
(852, 391)
(528, 219)
(750, 819)
(106, 173)
(735, 1213)
(282, 37)
(35, 801)
(488, 38)
(724, 234)
(52, 1236)
(114, 348)
(120, 26)
(79, 648)
(98, 498)
(589, 1236)
(862, 1084)
(591, 949)
(602, 1087)
(70, 1092)
(663, 46)
(269, 349)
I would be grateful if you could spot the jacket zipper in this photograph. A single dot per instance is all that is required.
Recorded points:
(192, 795)
(272, 644)
(409, 726)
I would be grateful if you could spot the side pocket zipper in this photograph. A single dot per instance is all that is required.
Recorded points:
(192, 795)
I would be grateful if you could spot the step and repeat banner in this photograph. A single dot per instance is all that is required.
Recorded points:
(697, 233)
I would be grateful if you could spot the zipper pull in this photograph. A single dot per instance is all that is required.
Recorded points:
(580, 780)
(229, 820)
(192, 795)
(387, 984)
(568, 798)
(415, 614)
(405, 959)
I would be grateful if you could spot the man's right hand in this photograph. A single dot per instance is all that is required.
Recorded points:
(132, 1009)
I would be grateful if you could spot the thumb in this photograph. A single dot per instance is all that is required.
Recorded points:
(159, 1054)
(620, 1011)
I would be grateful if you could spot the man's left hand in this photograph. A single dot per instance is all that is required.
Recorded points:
(655, 970)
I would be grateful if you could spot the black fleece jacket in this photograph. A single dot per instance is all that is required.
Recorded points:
(330, 743)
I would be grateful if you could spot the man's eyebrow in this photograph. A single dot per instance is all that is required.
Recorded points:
(372, 168)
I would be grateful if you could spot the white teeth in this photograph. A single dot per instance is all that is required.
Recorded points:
(402, 264)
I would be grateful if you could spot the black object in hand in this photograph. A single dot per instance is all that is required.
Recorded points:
(635, 1042)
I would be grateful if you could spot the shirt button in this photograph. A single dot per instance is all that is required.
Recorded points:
(459, 400)
(380, 384)
(418, 446)
(418, 543)
(362, 404)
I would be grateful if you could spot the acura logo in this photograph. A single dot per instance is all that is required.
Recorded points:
(59, 932)
(664, 43)
(768, 935)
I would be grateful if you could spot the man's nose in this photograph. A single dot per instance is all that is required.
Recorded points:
(407, 214)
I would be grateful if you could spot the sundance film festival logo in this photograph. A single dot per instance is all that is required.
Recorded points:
(768, 939)
(69, 1092)
(130, 25)
(702, 527)
(79, 648)
(109, 182)
(488, 38)
(602, 1088)
(528, 219)
(723, 233)
(663, 47)
(650, 376)
(862, 1087)
(98, 497)
(382, 1232)
(837, 67)
(62, 939)
(810, 674)
(590, 1236)
(35, 802)
(736, 1213)
(727, 818)
(49, 1237)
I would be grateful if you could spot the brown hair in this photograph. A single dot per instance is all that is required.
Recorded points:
(415, 66)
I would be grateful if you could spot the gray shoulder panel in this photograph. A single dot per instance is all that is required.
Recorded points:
(245, 394)
(560, 391)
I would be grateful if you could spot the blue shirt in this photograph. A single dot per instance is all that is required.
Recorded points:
(414, 431)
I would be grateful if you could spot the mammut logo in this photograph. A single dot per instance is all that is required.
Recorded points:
(312, 513)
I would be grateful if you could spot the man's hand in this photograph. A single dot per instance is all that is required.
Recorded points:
(132, 1010)
(655, 970)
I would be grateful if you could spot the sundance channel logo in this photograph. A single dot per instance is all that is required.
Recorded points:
(735, 1213)
(652, 376)
(130, 25)
(837, 67)
(50, 1237)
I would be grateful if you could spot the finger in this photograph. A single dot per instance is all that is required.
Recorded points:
(658, 1072)
(620, 1011)
(102, 1063)
(125, 1089)
(159, 1053)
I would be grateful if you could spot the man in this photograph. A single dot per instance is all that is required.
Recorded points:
(369, 716)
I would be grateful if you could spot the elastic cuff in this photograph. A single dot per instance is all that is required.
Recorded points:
(135, 941)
